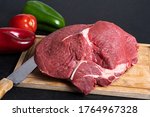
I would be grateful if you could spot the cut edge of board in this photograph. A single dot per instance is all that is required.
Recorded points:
(96, 92)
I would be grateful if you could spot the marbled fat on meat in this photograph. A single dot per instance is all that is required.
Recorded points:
(87, 55)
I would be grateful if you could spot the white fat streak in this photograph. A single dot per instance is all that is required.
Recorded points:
(67, 37)
(80, 62)
(119, 68)
(106, 73)
(85, 35)
(90, 75)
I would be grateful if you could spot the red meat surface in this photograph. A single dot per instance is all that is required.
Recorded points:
(87, 54)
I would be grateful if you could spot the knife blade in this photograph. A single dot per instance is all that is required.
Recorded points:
(17, 76)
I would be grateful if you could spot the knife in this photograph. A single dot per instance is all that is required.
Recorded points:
(17, 76)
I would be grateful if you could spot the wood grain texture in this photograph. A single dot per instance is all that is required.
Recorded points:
(134, 83)
(5, 86)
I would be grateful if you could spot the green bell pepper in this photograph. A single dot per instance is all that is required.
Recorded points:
(48, 19)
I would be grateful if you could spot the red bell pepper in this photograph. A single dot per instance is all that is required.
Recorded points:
(24, 21)
(13, 40)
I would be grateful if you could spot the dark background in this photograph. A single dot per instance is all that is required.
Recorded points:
(132, 15)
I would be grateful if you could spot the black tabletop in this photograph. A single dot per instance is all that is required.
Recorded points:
(132, 15)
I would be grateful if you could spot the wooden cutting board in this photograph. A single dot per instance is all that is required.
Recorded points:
(134, 83)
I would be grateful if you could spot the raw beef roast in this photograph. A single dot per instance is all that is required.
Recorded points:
(87, 54)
